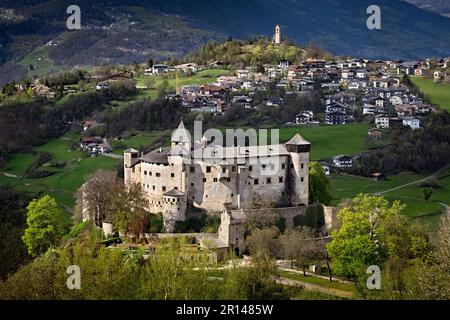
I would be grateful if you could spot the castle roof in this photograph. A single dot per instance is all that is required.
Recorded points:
(297, 140)
(174, 193)
(158, 156)
(131, 150)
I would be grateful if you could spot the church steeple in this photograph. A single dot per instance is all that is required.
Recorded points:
(277, 35)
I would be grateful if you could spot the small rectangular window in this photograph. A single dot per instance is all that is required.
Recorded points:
(163, 189)
(256, 181)
(215, 179)
(283, 166)
(250, 168)
(172, 175)
(269, 180)
(208, 169)
(192, 169)
(280, 179)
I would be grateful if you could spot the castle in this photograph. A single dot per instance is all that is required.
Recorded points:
(174, 180)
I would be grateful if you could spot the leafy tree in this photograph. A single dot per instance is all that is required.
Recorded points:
(46, 225)
(363, 237)
(129, 214)
(319, 185)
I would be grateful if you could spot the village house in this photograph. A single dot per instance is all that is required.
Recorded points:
(43, 91)
(304, 117)
(411, 122)
(336, 114)
(382, 121)
(375, 134)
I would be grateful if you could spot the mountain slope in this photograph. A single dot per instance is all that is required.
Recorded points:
(437, 6)
(136, 30)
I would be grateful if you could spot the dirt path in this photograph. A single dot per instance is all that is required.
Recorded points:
(10, 175)
(434, 175)
(315, 287)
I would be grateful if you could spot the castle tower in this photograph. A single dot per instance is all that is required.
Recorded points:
(232, 230)
(174, 203)
(181, 141)
(299, 149)
(277, 36)
(130, 157)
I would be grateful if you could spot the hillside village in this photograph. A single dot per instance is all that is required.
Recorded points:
(352, 90)
(115, 152)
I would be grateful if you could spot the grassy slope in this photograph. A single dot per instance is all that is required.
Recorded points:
(329, 141)
(43, 66)
(439, 94)
(417, 208)
(65, 181)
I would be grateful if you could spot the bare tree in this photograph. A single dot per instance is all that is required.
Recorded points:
(261, 219)
(298, 246)
(319, 252)
(265, 240)
(95, 199)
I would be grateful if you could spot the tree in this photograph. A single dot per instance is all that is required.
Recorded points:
(96, 197)
(162, 88)
(320, 253)
(362, 239)
(319, 185)
(264, 241)
(427, 193)
(297, 246)
(129, 214)
(148, 83)
(46, 225)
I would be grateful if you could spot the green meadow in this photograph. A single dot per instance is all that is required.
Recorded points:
(329, 141)
(417, 209)
(439, 94)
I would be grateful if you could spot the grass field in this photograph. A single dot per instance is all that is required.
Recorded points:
(65, 180)
(329, 141)
(38, 58)
(139, 140)
(439, 94)
(429, 213)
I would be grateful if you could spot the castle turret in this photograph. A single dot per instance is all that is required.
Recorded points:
(130, 158)
(181, 141)
(299, 149)
(232, 230)
(174, 203)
